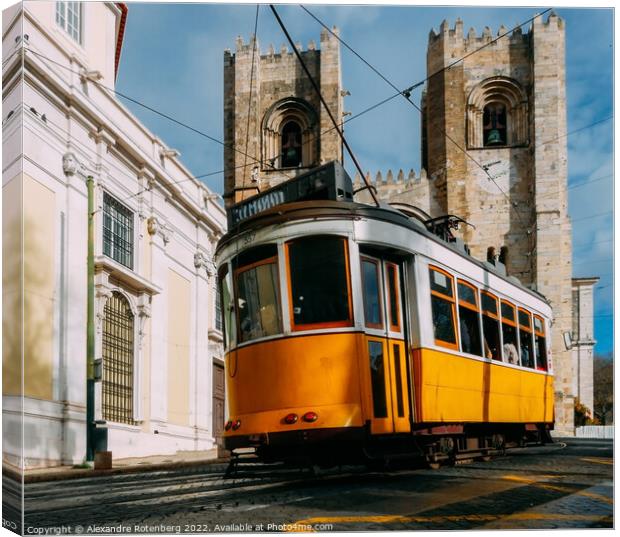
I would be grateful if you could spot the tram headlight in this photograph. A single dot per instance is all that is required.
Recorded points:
(228, 425)
(290, 419)
(310, 417)
(236, 425)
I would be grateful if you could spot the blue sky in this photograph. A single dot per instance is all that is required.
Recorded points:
(172, 61)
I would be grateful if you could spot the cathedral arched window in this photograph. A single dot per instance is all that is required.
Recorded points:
(118, 360)
(290, 135)
(291, 150)
(497, 114)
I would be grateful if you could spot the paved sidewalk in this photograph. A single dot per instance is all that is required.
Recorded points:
(182, 459)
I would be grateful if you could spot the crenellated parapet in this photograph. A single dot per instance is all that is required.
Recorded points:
(414, 189)
(243, 48)
(455, 36)
(401, 181)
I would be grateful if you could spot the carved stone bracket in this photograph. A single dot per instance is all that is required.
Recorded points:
(202, 261)
(155, 227)
(144, 313)
(102, 293)
(72, 166)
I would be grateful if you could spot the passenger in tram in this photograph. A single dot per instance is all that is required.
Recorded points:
(488, 353)
(511, 354)
(465, 337)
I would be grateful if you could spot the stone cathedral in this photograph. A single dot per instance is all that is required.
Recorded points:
(505, 106)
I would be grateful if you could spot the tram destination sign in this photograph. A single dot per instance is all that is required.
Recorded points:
(327, 182)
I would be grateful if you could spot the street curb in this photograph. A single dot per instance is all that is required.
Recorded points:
(211, 466)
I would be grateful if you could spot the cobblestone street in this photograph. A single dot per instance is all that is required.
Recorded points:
(565, 485)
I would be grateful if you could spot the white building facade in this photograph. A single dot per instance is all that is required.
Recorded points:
(156, 227)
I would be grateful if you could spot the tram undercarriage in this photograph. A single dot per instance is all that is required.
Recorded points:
(433, 444)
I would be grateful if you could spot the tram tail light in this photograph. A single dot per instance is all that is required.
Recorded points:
(236, 425)
(228, 425)
(289, 419)
(310, 417)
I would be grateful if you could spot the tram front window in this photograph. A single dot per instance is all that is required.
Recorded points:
(225, 297)
(258, 300)
(319, 284)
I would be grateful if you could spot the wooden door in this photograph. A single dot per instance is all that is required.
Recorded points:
(219, 414)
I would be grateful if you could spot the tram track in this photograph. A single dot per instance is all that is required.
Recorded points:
(126, 498)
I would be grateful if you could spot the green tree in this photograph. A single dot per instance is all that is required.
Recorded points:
(604, 388)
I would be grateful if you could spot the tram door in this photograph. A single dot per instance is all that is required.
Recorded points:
(385, 344)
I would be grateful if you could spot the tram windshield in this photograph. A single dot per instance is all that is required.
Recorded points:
(319, 283)
(225, 297)
(258, 295)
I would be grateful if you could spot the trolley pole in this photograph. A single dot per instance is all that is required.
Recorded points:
(90, 325)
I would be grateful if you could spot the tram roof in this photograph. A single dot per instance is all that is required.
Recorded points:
(329, 209)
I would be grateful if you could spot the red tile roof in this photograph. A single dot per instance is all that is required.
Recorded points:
(119, 37)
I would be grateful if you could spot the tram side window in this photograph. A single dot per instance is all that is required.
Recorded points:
(540, 344)
(258, 294)
(525, 337)
(319, 282)
(225, 296)
(371, 281)
(490, 326)
(509, 333)
(469, 320)
(443, 309)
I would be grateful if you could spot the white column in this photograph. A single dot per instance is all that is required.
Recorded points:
(202, 384)
(159, 330)
(72, 373)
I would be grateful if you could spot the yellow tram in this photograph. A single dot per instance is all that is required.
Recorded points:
(352, 331)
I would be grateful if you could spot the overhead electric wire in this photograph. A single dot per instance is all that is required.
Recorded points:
(247, 128)
(85, 148)
(329, 112)
(147, 107)
(591, 216)
(407, 93)
(575, 131)
(163, 114)
(355, 116)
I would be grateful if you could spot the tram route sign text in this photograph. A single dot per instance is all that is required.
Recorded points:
(327, 182)
(251, 207)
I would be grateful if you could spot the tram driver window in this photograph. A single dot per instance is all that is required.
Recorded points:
(371, 281)
(442, 305)
(540, 345)
(258, 295)
(319, 283)
(225, 297)
(509, 333)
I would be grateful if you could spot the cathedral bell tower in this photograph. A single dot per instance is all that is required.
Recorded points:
(274, 116)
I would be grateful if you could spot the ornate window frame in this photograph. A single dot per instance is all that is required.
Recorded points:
(140, 306)
(508, 92)
(278, 115)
